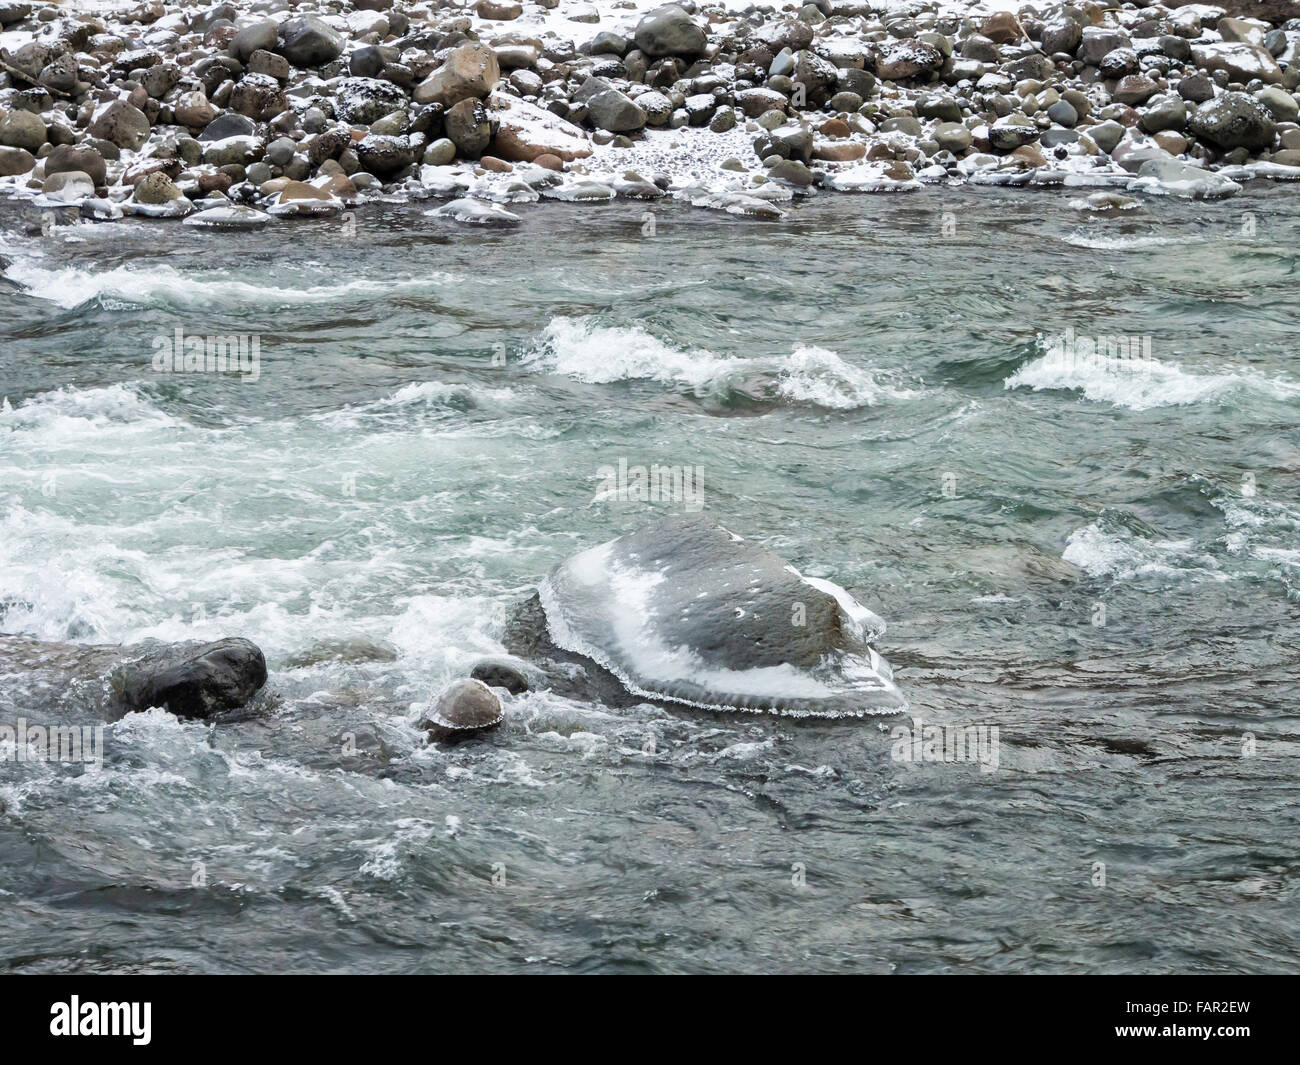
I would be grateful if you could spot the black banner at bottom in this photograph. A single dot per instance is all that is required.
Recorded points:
(227, 1013)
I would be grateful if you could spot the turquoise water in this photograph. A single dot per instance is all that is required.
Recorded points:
(1100, 561)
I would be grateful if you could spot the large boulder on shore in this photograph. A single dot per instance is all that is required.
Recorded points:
(22, 129)
(363, 101)
(14, 161)
(308, 42)
(384, 156)
(258, 96)
(669, 30)
(526, 131)
(470, 71)
(1241, 61)
(260, 35)
(228, 125)
(1234, 120)
(76, 157)
(120, 123)
(685, 611)
(613, 110)
(469, 126)
(909, 59)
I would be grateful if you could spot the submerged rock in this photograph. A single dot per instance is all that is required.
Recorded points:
(475, 212)
(1172, 177)
(685, 611)
(232, 216)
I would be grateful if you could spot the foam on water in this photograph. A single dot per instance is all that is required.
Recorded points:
(1128, 243)
(1144, 384)
(590, 351)
(164, 286)
(437, 399)
(1104, 552)
(823, 378)
(74, 412)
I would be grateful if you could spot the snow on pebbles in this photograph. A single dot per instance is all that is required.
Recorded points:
(229, 117)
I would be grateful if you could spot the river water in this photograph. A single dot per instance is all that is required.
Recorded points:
(1100, 558)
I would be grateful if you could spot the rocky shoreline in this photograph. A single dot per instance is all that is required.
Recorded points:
(231, 115)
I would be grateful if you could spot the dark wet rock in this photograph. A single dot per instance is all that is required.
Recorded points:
(1175, 48)
(1234, 120)
(196, 681)
(385, 156)
(189, 679)
(307, 42)
(61, 74)
(563, 672)
(15, 161)
(909, 59)
(980, 48)
(1009, 133)
(327, 145)
(1119, 63)
(363, 101)
(1164, 112)
(22, 129)
(606, 43)
(262, 34)
(1196, 88)
(1063, 114)
(270, 64)
(1134, 89)
(465, 708)
(612, 110)
(228, 125)
(259, 97)
(469, 127)
(1099, 41)
(366, 62)
(1064, 36)
(669, 31)
(120, 123)
(501, 672)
